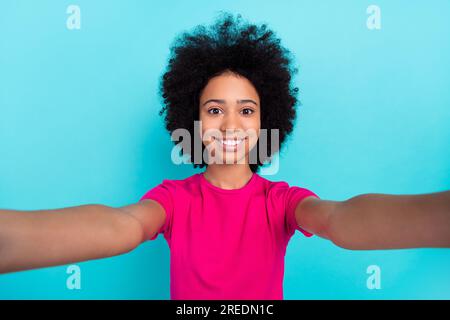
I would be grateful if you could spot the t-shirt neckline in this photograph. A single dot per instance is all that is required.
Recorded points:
(215, 188)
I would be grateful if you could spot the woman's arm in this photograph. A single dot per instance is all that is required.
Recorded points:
(41, 238)
(380, 221)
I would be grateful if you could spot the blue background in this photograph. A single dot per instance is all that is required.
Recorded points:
(79, 125)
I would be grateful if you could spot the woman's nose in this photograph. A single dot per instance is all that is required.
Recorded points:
(230, 123)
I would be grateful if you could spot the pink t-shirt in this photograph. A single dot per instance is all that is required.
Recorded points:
(227, 244)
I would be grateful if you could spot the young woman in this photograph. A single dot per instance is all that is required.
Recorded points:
(227, 227)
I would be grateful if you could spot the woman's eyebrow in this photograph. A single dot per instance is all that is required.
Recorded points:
(221, 101)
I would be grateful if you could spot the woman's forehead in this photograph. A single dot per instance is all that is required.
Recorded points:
(229, 87)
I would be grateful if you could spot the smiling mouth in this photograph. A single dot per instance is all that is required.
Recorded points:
(230, 144)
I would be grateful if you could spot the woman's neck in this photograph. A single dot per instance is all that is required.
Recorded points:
(228, 176)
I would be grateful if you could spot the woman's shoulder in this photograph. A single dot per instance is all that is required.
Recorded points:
(173, 184)
(180, 180)
(281, 188)
(272, 183)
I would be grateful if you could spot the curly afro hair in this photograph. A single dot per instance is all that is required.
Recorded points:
(245, 49)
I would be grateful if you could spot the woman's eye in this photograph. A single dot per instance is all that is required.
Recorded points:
(217, 109)
(248, 109)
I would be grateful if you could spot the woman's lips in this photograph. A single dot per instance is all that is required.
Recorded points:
(230, 144)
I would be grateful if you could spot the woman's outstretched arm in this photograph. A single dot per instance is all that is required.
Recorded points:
(41, 238)
(380, 221)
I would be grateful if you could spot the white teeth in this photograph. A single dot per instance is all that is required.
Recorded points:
(231, 142)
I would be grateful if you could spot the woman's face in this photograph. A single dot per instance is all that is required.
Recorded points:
(230, 117)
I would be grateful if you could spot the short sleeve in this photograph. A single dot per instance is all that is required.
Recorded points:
(164, 195)
(293, 197)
